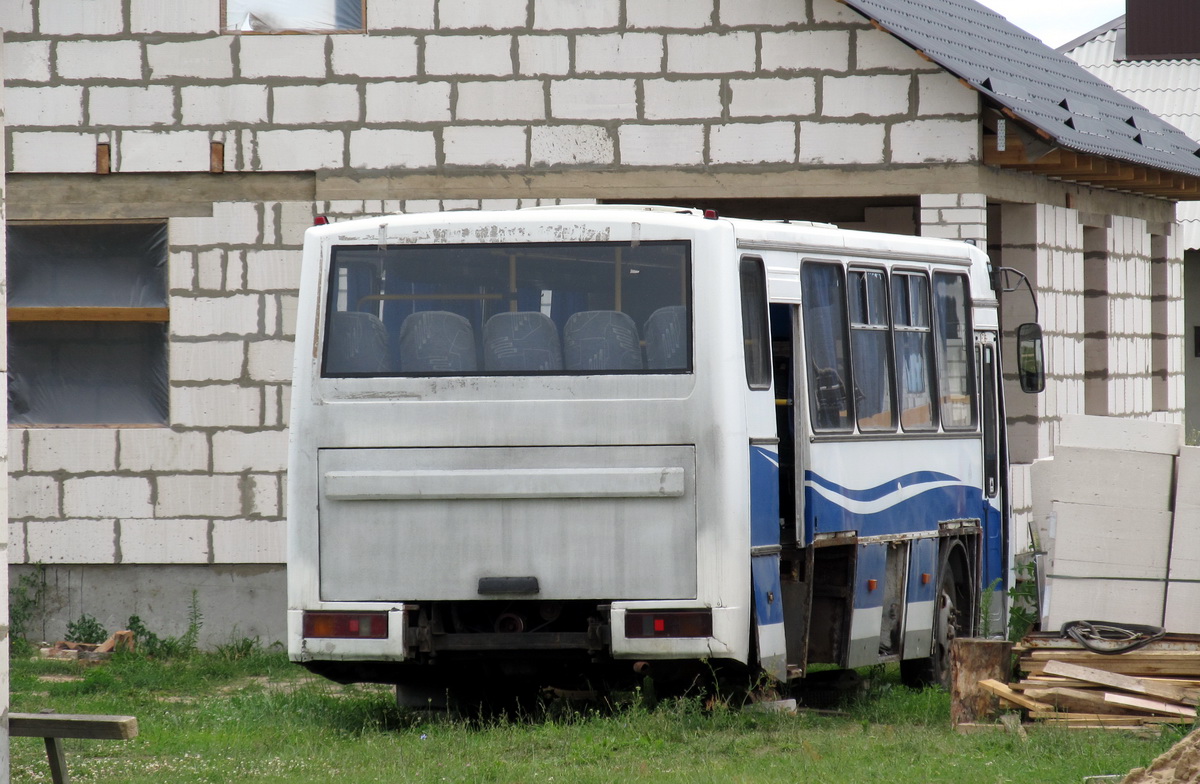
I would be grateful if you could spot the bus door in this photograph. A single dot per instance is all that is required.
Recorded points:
(995, 543)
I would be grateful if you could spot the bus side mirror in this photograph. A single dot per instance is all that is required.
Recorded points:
(1031, 367)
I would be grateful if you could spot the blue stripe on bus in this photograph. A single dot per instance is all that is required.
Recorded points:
(913, 511)
(881, 490)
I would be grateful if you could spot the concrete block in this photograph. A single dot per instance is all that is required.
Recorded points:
(619, 53)
(106, 496)
(681, 100)
(16, 449)
(1110, 541)
(16, 543)
(249, 541)
(805, 50)
(1117, 601)
(543, 55)
(1130, 435)
(33, 496)
(570, 144)
(66, 17)
(372, 148)
(774, 13)
(216, 405)
(753, 143)
(236, 314)
(492, 15)
(402, 102)
(878, 50)
(25, 60)
(264, 495)
(593, 99)
(132, 106)
(409, 15)
(270, 360)
(212, 360)
(1185, 545)
(1181, 616)
(72, 450)
(523, 99)
(210, 272)
(17, 16)
(557, 15)
(315, 104)
(295, 217)
(1112, 477)
(662, 145)
(155, 16)
(935, 141)
(766, 97)
(260, 450)
(273, 270)
(299, 150)
(873, 96)
(375, 56)
(669, 14)
(44, 107)
(232, 223)
(468, 55)
(71, 541)
(222, 105)
(205, 58)
(282, 56)
(110, 60)
(711, 53)
(198, 495)
(288, 305)
(164, 541)
(941, 93)
(161, 449)
(162, 151)
(495, 145)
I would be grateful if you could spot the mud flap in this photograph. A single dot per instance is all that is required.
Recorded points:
(764, 561)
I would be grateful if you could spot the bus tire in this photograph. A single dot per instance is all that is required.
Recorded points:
(951, 618)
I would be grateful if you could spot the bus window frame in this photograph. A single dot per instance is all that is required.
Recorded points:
(939, 344)
(756, 329)
(811, 384)
(869, 327)
(931, 377)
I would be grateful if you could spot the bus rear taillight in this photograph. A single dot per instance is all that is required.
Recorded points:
(372, 626)
(668, 623)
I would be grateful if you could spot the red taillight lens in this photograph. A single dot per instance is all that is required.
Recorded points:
(371, 626)
(669, 623)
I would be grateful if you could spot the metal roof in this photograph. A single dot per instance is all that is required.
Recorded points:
(1068, 106)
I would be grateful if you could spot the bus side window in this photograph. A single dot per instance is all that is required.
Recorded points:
(756, 336)
(956, 354)
(823, 290)
(914, 350)
(869, 350)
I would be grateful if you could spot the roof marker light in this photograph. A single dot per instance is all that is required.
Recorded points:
(711, 215)
(321, 220)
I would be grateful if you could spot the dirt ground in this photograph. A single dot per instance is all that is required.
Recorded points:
(1179, 764)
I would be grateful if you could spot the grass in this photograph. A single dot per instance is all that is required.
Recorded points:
(255, 717)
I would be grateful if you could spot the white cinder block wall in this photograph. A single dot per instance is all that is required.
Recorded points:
(463, 91)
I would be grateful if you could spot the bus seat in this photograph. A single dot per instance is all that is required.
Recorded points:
(522, 341)
(601, 340)
(357, 343)
(666, 334)
(437, 341)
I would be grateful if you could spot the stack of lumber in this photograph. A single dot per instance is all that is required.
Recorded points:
(1071, 686)
(82, 651)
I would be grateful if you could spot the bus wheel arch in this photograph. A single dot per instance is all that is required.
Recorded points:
(952, 617)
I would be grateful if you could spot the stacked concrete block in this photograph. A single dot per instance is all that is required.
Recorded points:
(1104, 511)
(1182, 613)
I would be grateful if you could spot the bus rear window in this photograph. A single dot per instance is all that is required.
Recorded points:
(508, 309)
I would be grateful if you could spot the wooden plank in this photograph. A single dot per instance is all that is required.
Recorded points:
(1002, 691)
(1150, 706)
(1124, 682)
(1072, 700)
(66, 725)
(89, 314)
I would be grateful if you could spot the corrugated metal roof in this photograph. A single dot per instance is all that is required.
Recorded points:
(1041, 86)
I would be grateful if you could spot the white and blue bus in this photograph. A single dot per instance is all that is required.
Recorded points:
(574, 443)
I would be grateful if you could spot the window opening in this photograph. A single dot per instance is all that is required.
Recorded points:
(87, 324)
(870, 355)
(825, 344)
(293, 16)
(913, 350)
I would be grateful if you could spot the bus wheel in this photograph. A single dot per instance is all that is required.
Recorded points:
(951, 618)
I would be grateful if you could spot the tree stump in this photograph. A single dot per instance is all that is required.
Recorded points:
(971, 661)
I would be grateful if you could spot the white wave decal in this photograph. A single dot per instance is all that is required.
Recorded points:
(872, 506)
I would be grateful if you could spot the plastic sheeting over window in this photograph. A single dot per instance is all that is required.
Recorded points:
(87, 332)
(278, 16)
